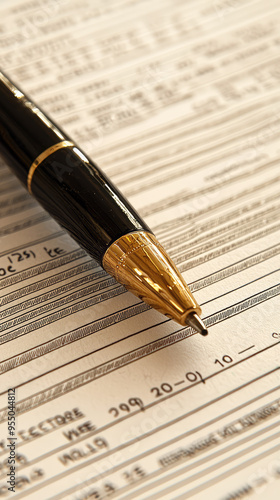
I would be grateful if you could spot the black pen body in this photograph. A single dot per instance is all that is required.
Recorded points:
(83, 200)
(68, 185)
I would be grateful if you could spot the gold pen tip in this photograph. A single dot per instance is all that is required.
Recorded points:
(138, 261)
(196, 323)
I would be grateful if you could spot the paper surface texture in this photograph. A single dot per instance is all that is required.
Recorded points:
(179, 103)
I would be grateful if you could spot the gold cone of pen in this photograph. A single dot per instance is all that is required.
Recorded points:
(138, 261)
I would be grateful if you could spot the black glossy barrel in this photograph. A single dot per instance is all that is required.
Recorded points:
(24, 130)
(67, 184)
(83, 200)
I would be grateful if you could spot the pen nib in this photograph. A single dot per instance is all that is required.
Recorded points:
(196, 323)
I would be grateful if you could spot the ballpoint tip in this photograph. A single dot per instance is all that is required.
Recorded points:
(196, 323)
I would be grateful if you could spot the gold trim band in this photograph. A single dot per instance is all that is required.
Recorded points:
(42, 157)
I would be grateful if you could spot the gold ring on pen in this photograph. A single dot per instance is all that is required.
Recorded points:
(42, 157)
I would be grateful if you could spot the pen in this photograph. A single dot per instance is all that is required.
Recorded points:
(79, 196)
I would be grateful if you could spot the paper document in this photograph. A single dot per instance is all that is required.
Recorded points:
(179, 103)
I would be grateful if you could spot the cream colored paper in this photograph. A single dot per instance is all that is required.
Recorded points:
(179, 103)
